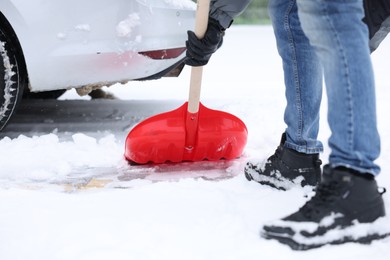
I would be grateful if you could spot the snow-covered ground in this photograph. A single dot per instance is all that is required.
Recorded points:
(186, 219)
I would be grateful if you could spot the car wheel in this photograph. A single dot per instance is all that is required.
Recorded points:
(13, 74)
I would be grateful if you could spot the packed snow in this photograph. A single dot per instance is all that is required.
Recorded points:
(189, 218)
(125, 27)
(83, 27)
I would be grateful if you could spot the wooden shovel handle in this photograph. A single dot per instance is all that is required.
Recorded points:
(201, 21)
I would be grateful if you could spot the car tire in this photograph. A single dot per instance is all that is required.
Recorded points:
(13, 73)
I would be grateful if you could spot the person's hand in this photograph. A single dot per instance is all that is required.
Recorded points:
(199, 51)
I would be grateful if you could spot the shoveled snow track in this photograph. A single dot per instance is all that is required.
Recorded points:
(127, 176)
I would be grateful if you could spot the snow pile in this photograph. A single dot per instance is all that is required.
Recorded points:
(46, 157)
(125, 28)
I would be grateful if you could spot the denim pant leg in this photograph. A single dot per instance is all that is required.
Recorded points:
(336, 30)
(302, 76)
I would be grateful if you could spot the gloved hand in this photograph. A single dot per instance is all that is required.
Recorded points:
(199, 51)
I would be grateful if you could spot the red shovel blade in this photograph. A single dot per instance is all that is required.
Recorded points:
(178, 136)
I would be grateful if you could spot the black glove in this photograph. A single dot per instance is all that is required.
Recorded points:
(199, 51)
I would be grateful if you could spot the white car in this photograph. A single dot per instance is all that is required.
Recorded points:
(47, 46)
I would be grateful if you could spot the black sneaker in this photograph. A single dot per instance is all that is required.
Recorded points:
(286, 168)
(347, 207)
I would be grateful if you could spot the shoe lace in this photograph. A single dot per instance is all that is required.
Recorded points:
(326, 193)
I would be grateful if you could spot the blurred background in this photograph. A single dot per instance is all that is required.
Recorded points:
(256, 13)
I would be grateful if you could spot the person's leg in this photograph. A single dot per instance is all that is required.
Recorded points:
(348, 193)
(302, 76)
(341, 42)
(296, 160)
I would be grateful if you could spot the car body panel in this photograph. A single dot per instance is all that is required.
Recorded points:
(76, 43)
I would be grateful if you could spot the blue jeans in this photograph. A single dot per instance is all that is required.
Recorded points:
(326, 39)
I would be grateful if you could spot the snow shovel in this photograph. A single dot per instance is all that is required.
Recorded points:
(191, 132)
